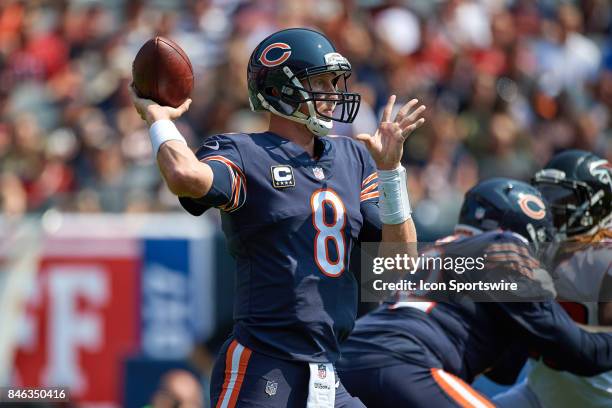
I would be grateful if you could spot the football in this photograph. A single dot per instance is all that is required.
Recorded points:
(162, 72)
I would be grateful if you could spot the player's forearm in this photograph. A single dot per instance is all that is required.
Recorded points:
(184, 174)
(595, 354)
(564, 346)
(395, 213)
(398, 239)
(399, 233)
(586, 354)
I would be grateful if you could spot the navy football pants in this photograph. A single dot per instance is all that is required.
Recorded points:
(244, 378)
(411, 385)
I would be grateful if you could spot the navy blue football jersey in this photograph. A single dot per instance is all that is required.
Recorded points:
(467, 338)
(291, 222)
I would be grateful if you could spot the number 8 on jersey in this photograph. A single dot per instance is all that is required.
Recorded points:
(333, 231)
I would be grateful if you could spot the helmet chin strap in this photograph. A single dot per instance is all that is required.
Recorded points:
(315, 125)
(318, 127)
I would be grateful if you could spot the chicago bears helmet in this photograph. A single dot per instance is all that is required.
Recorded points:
(510, 205)
(578, 186)
(284, 59)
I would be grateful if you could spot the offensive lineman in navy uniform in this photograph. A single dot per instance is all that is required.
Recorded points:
(578, 186)
(294, 203)
(420, 353)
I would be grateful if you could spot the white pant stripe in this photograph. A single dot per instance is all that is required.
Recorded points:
(236, 354)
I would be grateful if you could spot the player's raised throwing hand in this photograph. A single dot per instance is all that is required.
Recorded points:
(150, 111)
(386, 146)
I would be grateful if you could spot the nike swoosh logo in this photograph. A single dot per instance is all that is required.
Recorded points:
(337, 384)
(212, 146)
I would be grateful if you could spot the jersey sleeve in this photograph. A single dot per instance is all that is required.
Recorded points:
(371, 231)
(369, 182)
(228, 191)
(553, 335)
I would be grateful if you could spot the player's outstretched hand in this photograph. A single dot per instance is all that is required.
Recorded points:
(150, 111)
(386, 146)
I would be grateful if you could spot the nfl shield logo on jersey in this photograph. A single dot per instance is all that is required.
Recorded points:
(322, 371)
(271, 387)
(318, 173)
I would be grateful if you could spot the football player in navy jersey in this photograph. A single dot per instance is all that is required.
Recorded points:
(578, 186)
(294, 201)
(415, 352)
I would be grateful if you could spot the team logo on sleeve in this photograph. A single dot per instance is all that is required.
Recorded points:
(282, 176)
(275, 54)
(532, 206)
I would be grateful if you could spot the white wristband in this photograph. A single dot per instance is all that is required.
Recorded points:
(162, 131)
(394, 202)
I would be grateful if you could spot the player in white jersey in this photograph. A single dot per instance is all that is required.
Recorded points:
(578, 186)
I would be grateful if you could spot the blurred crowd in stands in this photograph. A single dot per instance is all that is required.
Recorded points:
(507, 83)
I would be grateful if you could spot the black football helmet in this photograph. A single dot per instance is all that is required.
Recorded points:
(578, 186)
(281, 61)
(510, 205)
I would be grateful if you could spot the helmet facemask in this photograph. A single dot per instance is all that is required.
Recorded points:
(286, 102)
(346, 104)
(573, 203)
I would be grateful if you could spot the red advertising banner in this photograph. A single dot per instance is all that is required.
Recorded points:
(82, 319)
